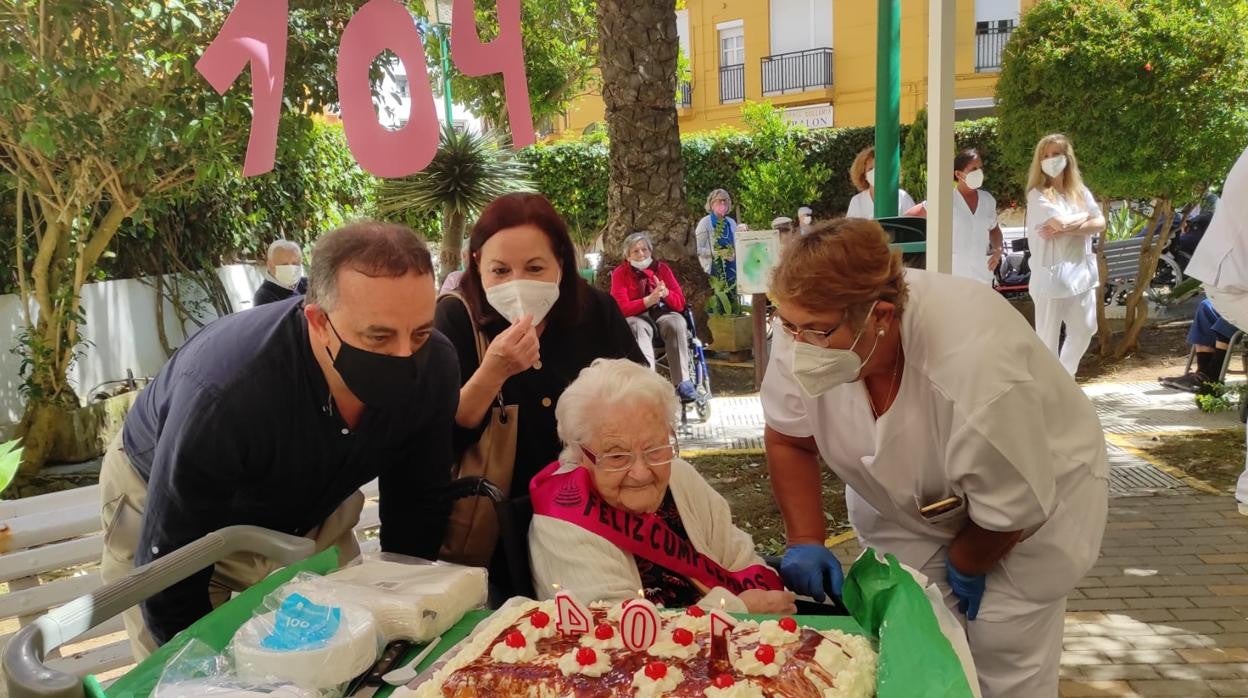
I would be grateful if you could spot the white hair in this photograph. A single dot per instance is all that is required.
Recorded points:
(603, 387)
(284, 245)
(636, 238)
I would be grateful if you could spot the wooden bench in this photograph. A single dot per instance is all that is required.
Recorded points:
(57, 538)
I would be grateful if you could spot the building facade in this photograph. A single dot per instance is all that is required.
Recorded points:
(816, 60)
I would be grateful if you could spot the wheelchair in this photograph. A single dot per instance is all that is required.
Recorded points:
(699, 371)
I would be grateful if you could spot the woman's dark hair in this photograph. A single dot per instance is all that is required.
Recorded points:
(964, 158)
(511, 211)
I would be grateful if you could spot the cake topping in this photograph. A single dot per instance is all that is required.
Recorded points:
(682, 637)
(586, 656)
(788, 623)
(695, 611)
(604, 632)
(723, 681)
(539, 619)
(765, 654)
(656, 670)
(515, 639)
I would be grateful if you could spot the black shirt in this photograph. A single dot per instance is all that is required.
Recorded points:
(238, 428)
(271, 292)
(599, 332)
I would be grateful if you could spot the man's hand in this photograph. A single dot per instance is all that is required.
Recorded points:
(812, 570)
(513, 351)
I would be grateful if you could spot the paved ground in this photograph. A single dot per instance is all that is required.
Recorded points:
(1165, 610)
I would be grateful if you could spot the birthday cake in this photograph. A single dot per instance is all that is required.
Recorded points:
(519, 651)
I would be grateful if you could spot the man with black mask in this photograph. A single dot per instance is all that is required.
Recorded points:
(276, 417)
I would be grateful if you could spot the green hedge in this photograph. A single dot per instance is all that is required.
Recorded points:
(574, 173)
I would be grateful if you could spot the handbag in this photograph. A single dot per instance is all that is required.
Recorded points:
(472, 531)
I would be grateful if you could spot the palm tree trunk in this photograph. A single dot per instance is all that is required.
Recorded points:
(638, 45)
(451, 254)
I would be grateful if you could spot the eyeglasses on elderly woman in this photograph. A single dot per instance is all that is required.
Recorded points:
(620, 461)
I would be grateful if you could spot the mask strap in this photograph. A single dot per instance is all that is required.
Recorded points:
(335, 331)
(873, 346)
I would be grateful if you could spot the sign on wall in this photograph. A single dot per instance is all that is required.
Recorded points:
(812, 117)
(758, 253)
(255, 35)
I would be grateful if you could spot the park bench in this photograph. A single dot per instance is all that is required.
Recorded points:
(50, 549)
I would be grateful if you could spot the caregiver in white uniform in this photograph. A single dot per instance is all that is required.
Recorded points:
(977, 238)
(1221, 261)
(862, 174)
(966, 450)
(1062, 217)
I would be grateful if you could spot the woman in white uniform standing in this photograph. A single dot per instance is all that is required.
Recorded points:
(977, 238)
(862, 174)
(966, 450)
(1062, 217)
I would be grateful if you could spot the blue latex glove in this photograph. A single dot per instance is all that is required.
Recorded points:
(969, 588)
(812, 570)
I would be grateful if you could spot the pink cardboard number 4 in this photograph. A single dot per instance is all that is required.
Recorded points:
(255, 34)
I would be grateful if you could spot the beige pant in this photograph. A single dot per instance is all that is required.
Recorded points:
(675, 341)
(124, 496)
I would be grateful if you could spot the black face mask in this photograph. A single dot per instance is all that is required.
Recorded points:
(378, 380)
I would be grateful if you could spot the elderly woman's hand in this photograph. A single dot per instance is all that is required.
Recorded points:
(764, 601)
(513, 351)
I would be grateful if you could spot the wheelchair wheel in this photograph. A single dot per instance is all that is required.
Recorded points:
(701, 374)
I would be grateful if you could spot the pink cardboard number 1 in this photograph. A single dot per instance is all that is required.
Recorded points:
(255, 33)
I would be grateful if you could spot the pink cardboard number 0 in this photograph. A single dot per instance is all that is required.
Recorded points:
(255, 34)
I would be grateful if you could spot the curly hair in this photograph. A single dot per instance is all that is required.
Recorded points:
(842, 263)
(858, 170)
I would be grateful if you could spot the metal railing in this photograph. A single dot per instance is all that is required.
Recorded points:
(731, 83)
(685, 100)
(990, 45)
(797, 71)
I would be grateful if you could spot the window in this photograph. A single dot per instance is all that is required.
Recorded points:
(800, 25)
(732, 46)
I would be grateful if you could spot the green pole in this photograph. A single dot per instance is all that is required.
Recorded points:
(887, 108)
(446, 73)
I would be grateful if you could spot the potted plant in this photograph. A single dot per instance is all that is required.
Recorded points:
(731, 328)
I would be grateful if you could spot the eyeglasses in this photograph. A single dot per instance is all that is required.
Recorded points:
(619, 461)
(818, 338)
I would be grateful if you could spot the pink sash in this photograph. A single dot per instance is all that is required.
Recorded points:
(571, 497)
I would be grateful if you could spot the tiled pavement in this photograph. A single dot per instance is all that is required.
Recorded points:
(1165, 610)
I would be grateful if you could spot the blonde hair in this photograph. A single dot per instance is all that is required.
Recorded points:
(843, 263)
(716, 195)
(858, 170)
(604, 387)
(1069, 184)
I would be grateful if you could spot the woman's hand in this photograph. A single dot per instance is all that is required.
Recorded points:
(513, 351)
(1049, 229)
(653, 298)
(994, 260)
(763, 601)
(662, 290)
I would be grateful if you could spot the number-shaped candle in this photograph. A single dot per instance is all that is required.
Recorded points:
(572, 617)
(639, 624)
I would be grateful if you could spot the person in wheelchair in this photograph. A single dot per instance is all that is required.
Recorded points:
(621, 512)
(650, 298)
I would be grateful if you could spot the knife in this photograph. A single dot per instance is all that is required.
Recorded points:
(367, 684)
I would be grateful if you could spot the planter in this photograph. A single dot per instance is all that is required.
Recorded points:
(731, 333)
(83, 434)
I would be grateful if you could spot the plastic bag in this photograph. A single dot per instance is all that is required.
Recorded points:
(410, 599)
(198, 670)
(317, 644)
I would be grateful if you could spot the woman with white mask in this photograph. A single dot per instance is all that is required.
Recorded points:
(966, 451)
(862, 174)
(977, 238)
(1062, 217)
(542, 322)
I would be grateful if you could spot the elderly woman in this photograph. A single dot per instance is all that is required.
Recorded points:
(620, 511)
(716, 239)
(862, 174)
(966, 449)
(650, 299)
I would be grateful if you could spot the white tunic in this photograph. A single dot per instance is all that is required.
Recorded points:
(863, 206)
(1221, 258)
(970, 236)
(984, 411)
(1064, 266)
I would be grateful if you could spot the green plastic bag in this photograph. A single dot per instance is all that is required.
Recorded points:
(916, 658)
(215, 629)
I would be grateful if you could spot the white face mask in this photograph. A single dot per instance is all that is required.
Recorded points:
(514, 299)
(975, 179)
(871, 177)
(819, 369)
(288, 274)
(643, 264)
(1053, 166)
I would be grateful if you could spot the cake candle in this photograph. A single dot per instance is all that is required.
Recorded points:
(639, 623)
(721, 625)
(572, 617)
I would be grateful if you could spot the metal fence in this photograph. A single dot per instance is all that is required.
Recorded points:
(686, 96)
(797, 71)
(990, 44)
(731, 83)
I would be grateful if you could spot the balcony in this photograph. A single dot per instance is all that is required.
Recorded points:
(797, 71)
(731, 83)
(990, 41)
(684, 98)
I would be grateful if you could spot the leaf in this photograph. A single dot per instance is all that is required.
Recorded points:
(10, 459)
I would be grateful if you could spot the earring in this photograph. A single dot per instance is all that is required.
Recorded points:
(880, 332)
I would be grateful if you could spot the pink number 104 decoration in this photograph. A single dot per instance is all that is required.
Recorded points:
(255, 34)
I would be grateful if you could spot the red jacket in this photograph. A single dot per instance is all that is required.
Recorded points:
(628, 294)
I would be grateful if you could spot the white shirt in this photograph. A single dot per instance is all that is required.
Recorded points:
(863, 206)
(1064, 266)
(1221, 258)
(983, 411)
(970, 236)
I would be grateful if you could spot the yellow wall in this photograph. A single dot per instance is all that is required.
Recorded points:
(853, 91)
